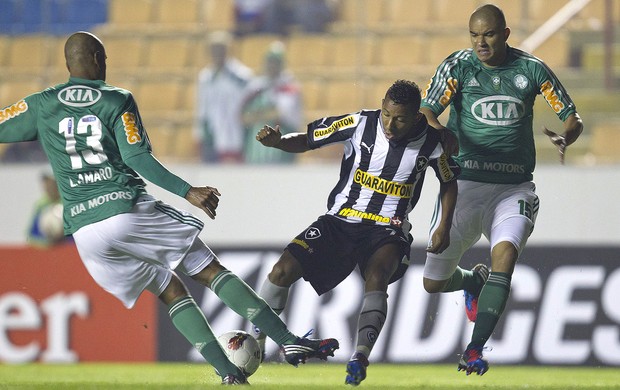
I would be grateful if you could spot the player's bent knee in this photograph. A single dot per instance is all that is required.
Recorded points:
(286, 271)
(208, 273)
(174, 291)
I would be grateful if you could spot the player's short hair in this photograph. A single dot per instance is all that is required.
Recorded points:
(487, 10)
(405, 92)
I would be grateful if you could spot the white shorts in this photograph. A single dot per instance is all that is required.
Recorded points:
(502, 212)
(138, 250)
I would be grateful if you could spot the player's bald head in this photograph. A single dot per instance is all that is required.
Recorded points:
(85, 56)
(491, 14)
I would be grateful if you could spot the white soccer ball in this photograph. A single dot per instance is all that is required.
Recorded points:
(242, 349)
(51, 223)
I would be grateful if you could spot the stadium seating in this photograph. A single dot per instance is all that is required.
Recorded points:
(156, 47)
(401, 16)
(251, 49)
(125, 13)
(173, 54)
(28, 52)
(307, 53)
(400, 52)
(359, 15)
(178, 14)
(123, 52)
(12, 90)
(605, 142)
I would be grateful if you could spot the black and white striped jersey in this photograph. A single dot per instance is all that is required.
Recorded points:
(380, 179)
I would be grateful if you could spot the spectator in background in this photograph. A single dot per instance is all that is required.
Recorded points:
(271, 99)
(309, 16)
(250, 16)
(46, 224)
(219, 93)
(283, 16)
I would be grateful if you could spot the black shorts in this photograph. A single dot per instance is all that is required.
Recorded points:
(330, 248)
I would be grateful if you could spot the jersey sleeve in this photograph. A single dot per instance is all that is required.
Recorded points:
(333, 129)
(443, 86)
(129, 132)
(18, 122)
(152, 170)
(553, 91)
(446, 169)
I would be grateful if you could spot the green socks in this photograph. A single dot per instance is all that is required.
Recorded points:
(463, 279)
(491, 304)
(191, 322)
(237, 295)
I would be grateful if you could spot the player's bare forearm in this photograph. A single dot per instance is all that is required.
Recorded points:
(573, 127)
(448, 193)
(440, 240)
(441, 236)
(205, 198)
(431, 118)
(291, 143)
(448, 140)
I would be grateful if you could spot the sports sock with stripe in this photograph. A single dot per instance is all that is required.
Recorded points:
(240, 297)
(191, 322)
(491, 304)
(462, 279)
(370, 322)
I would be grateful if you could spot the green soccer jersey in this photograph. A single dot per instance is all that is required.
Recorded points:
(491, 112)
(75, 123)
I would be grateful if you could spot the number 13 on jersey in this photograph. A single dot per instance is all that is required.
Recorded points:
(88, 126)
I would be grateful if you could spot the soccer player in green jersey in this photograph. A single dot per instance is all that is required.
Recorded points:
(490, 89)
(128, 241)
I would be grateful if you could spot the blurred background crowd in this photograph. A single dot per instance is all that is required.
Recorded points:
(207, 74)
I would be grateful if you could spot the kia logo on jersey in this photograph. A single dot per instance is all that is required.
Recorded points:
(498, 110)
(79, 96)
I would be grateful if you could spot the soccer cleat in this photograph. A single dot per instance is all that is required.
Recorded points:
(305, 348)
(231, 379)
(472, 361)
(356, 370)
(471, 299)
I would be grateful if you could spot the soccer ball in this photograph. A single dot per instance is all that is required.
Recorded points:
(242, 349)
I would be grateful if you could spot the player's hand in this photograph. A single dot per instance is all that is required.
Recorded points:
(269, 136)
(558, 140)
(205, 198)
(439, 241)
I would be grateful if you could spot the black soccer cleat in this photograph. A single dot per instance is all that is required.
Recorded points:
(305, 348)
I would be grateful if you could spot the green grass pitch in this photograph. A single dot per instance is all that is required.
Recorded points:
(310, 376)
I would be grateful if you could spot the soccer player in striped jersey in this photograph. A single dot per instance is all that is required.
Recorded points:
(128, 241)
(386, 154)
(490, 89)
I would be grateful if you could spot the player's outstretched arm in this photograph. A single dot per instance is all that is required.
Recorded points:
(273, 138)
(573, 127)
(205, 198)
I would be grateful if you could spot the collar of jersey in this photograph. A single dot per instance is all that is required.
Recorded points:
(77, 80)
